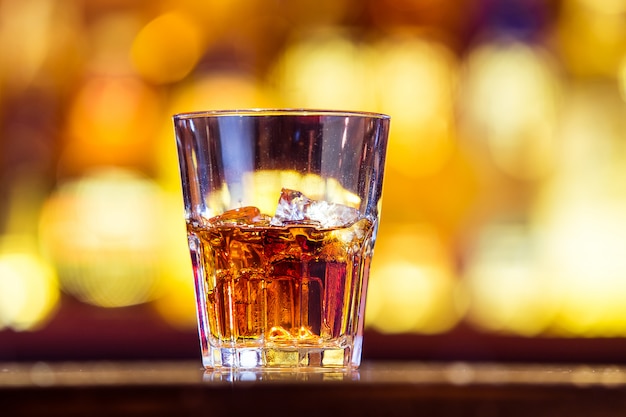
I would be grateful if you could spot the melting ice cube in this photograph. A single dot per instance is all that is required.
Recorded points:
(295, 207)
(245, 216)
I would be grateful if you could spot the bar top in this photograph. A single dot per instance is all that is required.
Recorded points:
(378, 388)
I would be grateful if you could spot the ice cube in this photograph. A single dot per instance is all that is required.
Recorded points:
(245, 216)
(295, 207)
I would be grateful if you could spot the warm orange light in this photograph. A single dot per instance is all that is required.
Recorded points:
(176, 302)
(415, 80)
(592, 36)
(29, 290)
(608, 7)
(104, 233)
(621, 76)
(580, 216)
(39, 40)
(509, 100)
(212, 17)
(583, 240)
(221, 90)
(507, 287)
(326, 70)
(112, 122)
(412, 286)
(167, 48)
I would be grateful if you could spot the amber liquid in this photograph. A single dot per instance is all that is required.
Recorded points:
(294, 285)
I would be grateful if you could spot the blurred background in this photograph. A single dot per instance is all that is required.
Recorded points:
(503, 232)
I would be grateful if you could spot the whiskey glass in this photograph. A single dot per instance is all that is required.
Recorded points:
(282, 209)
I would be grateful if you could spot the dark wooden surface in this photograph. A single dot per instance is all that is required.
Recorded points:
(377, 389)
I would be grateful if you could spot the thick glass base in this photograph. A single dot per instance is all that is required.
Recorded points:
(270, 357)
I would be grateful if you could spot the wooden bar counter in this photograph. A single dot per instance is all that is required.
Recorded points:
(378, 389)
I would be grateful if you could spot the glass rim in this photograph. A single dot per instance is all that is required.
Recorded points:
(277, 112)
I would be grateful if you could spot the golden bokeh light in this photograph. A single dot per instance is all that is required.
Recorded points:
(592, 36)
(110, 37)
(509, 291)
(104, 233)
(603, 6)
(176, 301)
(167, 48)
(415, 82)
(207, 92)
(32, 34)
(204, 93)
(214, 16)
(444, 199)
(585, 255)
(580, 216)
(412, 287)
(326, 70)
(621, 78)
(584, 251)
(177, 304)
(112, 121)
(29, 291)
(316, 13)
(510, 98)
